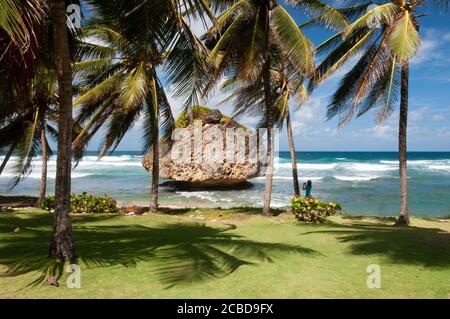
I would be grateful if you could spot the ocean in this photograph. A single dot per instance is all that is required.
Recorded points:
(364, 183)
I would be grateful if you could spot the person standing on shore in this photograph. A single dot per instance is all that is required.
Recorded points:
(308, 187)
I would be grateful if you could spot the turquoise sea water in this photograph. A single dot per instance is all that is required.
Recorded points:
(364, 183)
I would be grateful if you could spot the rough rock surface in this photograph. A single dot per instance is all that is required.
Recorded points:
(204, 173)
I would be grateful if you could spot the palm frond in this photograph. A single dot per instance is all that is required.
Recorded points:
(18, 18)
(121, 121)
(341, 54)
(186, 66)
(99, 91)
(379, 15)
(26, 150)
(90, 67)
(342, 102)
(292, 42)
(135, 87)
(392, 86)
(327, 15)
(404, 38)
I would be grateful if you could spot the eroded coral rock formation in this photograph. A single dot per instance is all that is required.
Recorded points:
(209, 150)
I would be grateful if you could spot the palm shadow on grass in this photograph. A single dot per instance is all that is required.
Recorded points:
(428, 247)
(218, 210)
(178, 253)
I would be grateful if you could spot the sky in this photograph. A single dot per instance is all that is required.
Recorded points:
(429, 102)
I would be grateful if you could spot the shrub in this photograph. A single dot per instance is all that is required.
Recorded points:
(85, 203)
(312, 210)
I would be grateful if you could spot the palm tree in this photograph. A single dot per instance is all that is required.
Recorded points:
(27, 129)
(249, 99)
(22, 25)
(122, 85)
(387, 38)
(289, 87)
(119, 71)
(62, 245)
(241, 42)
(24, 31)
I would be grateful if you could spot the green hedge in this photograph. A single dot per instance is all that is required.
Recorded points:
(312, 210)
(85, 203)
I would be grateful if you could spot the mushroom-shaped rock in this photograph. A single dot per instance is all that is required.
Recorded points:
(208, 150)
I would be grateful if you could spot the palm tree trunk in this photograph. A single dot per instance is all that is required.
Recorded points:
(403, 219)
(43, 187)
(62, 247)
(155, 174)
(155, 146)
(270, 139)
(12, 147)
(293, 156)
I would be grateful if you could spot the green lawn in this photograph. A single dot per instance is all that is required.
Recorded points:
(228, 254)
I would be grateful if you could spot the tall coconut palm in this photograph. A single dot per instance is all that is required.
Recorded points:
(249, 99)
(289, 87)
(27, 130)
(386, 37)
(240, 45)
(122, 85)
(25, 24)
(62, 245)
(120, 71)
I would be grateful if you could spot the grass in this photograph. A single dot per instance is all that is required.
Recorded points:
(228, 254)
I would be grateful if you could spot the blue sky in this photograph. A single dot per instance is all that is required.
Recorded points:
(429, 117)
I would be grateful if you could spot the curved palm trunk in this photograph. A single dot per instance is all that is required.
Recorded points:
(293, 156)
(270, 139)
(403, 219)
(62, 247)
(43, 187)
(155, 174)
(7, 157)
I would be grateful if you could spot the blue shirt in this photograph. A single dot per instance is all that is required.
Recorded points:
(308, 191)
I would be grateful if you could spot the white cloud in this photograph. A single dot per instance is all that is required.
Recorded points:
(309, 118)
(425, 51)
(438, 118)
(446, 37)
(384, 131)
(417, 115)
(432, 48)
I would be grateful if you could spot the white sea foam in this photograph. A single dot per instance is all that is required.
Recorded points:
(95, 164)
(417, 162)
(346, 166)
(202, 195)
(421, 162)
(109, 158)
(364, 167)
(289, 178)
(51, 175)
(389, 162)
(440, 167)
(355, 178)
(307, 166)
(426, 165)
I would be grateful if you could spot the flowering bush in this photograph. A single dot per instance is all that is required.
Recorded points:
(312, 210)
(85, 203)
